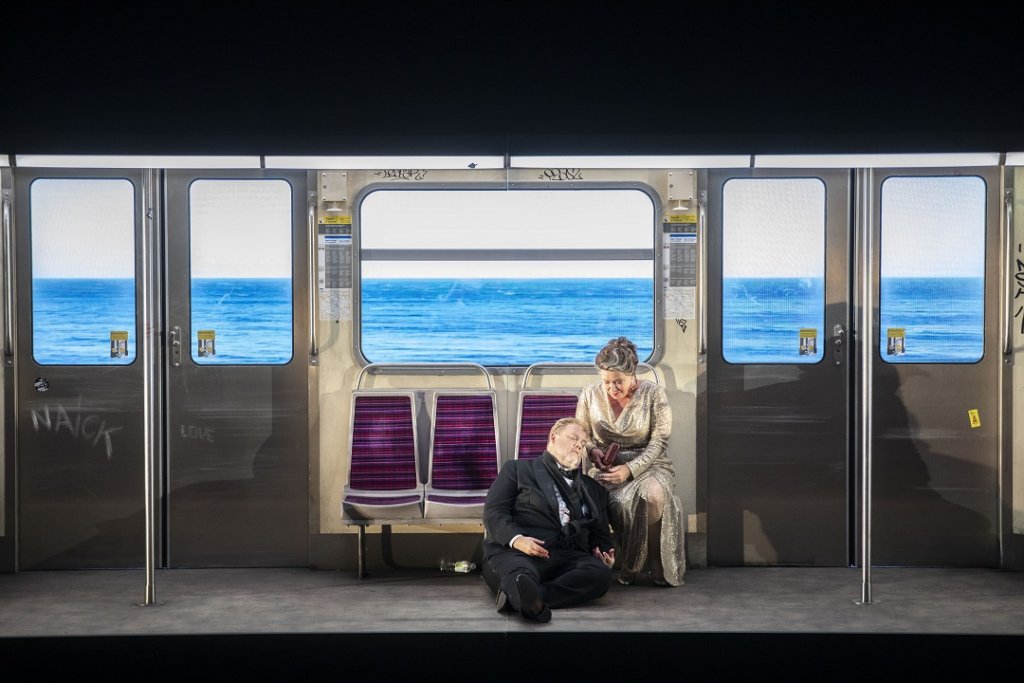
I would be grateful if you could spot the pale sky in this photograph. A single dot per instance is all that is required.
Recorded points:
(241, 228)
(773, 227)
(933, 227)
(500, 219)
(83, 228)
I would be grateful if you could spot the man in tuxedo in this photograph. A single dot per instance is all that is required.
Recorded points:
(546, 538)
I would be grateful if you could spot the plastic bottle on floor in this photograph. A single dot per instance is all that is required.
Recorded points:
(458, 566)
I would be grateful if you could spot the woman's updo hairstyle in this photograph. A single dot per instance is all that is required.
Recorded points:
(618, 355)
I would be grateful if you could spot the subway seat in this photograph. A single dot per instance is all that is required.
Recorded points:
(538, 410)
(383, 481)
(464, 455)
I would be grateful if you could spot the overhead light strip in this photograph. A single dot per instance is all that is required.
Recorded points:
(4, 161)
(135, 161)
(358, 163)
(875, 160)
(633, 162)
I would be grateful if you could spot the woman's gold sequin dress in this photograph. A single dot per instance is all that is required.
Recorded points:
(641, 430)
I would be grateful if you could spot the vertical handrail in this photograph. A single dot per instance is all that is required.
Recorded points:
(149, 360)
(1008, 264)
(8, 283)
(311, 251)
(702, 275)
(867, 340)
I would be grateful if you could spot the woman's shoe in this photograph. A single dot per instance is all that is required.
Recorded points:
(660, 582)
(626, 578)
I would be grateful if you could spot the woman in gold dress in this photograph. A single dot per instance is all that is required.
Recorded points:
(631, 419)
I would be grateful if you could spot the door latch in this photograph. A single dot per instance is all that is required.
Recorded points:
(175, 346)
(838, 334)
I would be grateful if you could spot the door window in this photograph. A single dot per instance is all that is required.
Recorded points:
(773, 270)
(932, 286)
(241, 271)
(83, 271)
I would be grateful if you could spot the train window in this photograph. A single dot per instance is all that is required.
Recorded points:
(932, 287)
(773, 270)
(240, 235)
(83, 271)
(504, 278)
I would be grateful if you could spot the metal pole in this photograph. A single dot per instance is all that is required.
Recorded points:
(867, 343)
(314, 351)
(148, 367)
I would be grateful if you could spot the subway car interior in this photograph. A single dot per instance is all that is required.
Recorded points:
(257, 383)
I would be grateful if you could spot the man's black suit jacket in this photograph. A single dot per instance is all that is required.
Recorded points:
(522, 501)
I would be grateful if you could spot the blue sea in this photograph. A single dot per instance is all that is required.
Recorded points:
(942, 319)
(506, 322)
(503, 322)
(72, 320)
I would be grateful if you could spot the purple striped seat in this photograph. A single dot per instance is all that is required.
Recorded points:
(538, 410)
(463, 454)
(383, 480)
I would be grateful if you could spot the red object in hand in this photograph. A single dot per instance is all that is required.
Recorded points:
(604, 460)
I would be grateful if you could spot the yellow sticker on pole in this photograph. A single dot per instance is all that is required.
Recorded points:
(974, 417)
(336, 220)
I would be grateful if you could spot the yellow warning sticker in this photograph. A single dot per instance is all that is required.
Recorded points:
(682, 218)
(808, 341)
(974, 417)
(336, 220)
(896, 344)
(207, 338)
(118, 344)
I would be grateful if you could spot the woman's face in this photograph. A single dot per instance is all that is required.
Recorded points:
(617, 384)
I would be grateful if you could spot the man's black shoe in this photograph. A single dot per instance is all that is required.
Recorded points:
(531, 604)
(503, 604)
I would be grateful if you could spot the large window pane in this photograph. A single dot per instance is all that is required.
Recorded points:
(932, 290)
(83, 271)
(505, 277)
(241, 260)
(773, 270)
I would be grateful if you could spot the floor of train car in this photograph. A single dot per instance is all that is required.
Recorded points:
(766, 621)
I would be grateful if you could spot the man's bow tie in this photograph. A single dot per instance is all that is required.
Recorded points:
(568, 474)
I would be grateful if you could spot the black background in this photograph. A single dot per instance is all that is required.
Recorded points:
(518, 77)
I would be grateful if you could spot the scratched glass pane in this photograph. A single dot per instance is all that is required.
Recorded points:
(83, 271)
(773, 270)
(932, 287)
(504, 278)
(241, 271)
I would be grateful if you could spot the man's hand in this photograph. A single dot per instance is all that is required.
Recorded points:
(608, 558)
(530, 546)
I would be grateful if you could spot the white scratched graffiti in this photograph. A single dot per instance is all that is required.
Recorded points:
(197, 432)
(80, 427)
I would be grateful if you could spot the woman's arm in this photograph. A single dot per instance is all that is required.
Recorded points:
(661, 429)
(583, 415)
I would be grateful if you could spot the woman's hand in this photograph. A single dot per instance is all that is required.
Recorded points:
(604, 460)
(614, 476)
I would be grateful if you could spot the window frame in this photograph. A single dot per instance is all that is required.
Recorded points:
(291, 264)
(984, 269)
(136, 283)
(657, 247)
(824, 269)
